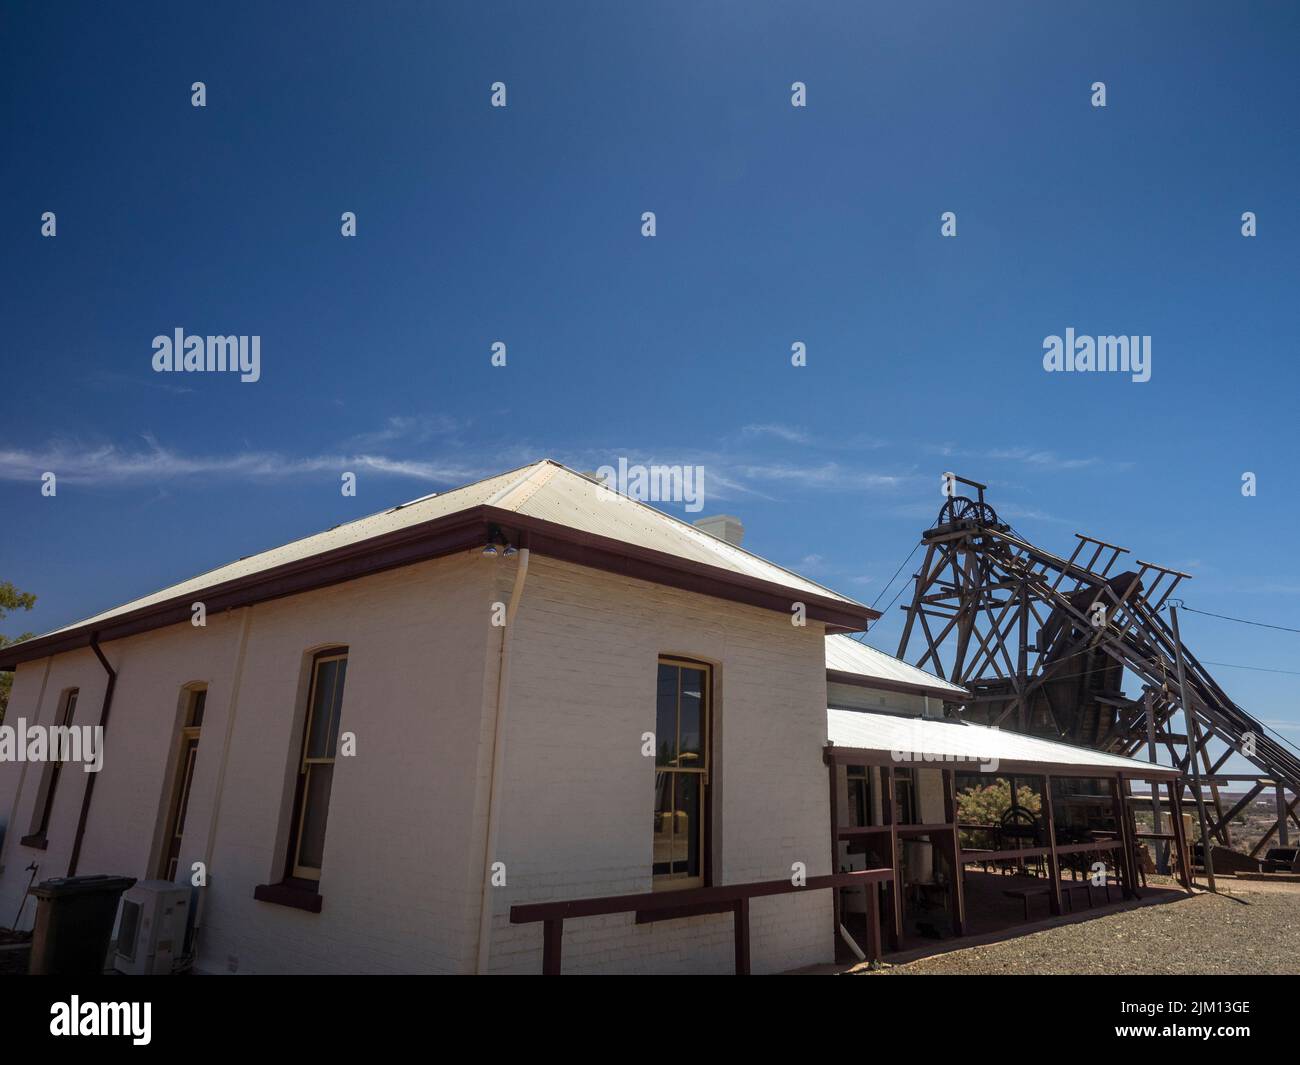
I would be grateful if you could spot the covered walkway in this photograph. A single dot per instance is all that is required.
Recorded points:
(1064, 840)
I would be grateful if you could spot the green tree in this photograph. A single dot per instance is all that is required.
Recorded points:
(986, 805)
(11, 599)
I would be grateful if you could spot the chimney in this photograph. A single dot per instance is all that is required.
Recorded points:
(724, 527)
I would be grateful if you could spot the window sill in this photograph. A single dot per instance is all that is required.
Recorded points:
(296, 894)
(36, 841)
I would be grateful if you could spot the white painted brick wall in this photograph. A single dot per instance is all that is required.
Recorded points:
(579, 794)
(395, 889)
(408, 815)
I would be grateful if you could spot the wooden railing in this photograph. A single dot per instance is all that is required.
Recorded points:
(668, 905)
(970, 856)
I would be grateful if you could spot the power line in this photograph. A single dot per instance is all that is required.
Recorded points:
(895, 577)
(1256, 669)
(901, 589)
(1239, 621)
(861, 637)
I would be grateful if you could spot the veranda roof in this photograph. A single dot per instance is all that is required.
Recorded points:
(852, 662)
(867, 738)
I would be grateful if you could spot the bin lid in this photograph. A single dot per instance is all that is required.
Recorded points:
(63, 886)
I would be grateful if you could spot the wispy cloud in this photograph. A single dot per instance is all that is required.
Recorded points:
(1018, 512)
(1028, 457)
(1271, 588)
(781, 432)
(734, 473)
(402, 429)
(790, 434)
(112, 464)
(111, 379)
(1048, 460)
(821, 475)
(432, 449)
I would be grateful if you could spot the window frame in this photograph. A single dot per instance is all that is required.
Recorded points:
(185, 761)
(294, 871)
(43, 811)
(673, 881)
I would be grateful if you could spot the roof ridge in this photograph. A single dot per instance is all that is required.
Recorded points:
(697, 531)
(517, 493)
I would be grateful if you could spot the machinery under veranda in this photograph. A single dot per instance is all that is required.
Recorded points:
(1043, 644)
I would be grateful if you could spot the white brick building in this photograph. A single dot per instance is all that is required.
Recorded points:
(483, 751)
(531, 690)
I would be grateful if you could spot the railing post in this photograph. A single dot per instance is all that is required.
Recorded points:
(1128, 863)
(1180, 838)
(836, 916)
(723, 899)
(895, 889)
(950, 813)
(552, 932)
(1053, 860)
(874, 953)
(741, 919)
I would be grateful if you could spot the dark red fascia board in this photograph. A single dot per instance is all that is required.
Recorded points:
(934, 692)
(445, 536)
(430, 540)
(615, 556)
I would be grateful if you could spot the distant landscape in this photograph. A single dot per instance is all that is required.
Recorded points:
(1246, 829)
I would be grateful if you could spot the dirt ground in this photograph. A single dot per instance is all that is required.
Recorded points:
(1250, 927)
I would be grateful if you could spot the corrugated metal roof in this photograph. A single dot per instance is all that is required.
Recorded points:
(925, 739)
(844, 654)
(572, 500)
(395, 518)
(544, 490)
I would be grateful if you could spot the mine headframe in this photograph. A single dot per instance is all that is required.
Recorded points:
(1043, 643)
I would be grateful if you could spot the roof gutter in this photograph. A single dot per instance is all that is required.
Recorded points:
(444, 536)
(933, 691)
(1136, 770)
(104, 711)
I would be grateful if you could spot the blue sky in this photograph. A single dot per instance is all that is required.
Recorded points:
(775, 225)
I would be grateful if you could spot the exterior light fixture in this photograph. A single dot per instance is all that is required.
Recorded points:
(497, 544)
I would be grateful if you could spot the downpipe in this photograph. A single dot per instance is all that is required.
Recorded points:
(103, 734)
(498, 759)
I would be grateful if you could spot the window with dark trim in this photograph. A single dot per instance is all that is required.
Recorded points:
(683, 707)
(50, 774)
(313, 783)
(320, 736)
(187, 759)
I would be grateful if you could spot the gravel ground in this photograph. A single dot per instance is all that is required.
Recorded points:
(1245, 932)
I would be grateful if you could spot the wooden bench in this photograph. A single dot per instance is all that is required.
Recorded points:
(1068, 890)
(1024, 895)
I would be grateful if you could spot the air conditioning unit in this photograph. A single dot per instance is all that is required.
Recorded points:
(153, 928)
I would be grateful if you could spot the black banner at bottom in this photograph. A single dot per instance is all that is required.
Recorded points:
(269, 1013)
